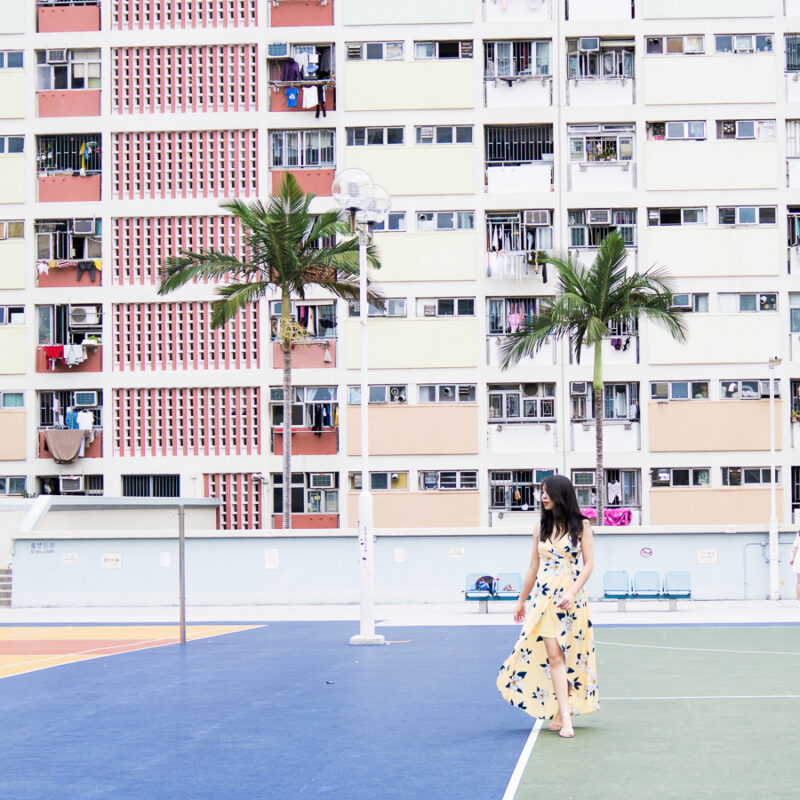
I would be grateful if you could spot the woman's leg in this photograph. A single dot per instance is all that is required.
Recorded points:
(558, 674)
(798, 585)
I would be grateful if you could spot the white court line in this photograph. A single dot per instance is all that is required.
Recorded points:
(702, 649)
(711, 697)
(522, 762)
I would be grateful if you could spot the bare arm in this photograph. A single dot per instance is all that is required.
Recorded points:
(528, 580)
(587, 549)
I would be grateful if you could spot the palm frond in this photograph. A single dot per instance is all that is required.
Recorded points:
(233, 298)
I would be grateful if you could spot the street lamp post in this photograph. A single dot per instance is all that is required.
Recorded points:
(774, 578)
(367, 204)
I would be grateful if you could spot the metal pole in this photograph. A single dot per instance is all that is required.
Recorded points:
(366, 633)
(774, 588)
(182, 571)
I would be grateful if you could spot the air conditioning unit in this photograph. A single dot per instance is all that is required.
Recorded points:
(83, 316)
(599, 216)
(589, 44)
(321, 480)
(429, 309)
(539, 216)
(83, 226)
(70, 483)
(85, 399)
(530, 389)
(56, 56)
(355, 480)
(578, 387)
(278, 50)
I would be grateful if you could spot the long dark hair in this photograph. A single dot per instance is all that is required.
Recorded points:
(565, 514)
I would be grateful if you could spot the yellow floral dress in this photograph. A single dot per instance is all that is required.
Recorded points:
(524, 679)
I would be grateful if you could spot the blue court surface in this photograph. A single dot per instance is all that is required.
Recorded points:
(283, 711)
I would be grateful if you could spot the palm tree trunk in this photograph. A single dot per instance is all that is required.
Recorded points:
(286, 348)
(600, 475)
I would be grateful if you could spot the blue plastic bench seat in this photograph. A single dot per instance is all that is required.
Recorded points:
(678, 585)
(616, 585)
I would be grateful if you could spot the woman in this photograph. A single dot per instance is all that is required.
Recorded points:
(551, 673)
(795, 563)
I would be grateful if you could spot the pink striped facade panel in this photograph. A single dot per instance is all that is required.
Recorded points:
(160, 14)
(141, 245)
(241, 496)
(218, 163)
(175, 336)
(187, 421)
(152, 80)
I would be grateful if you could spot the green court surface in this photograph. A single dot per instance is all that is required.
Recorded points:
(685, 712)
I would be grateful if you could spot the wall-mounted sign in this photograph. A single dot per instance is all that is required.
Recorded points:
(272, 558)
(39, 548)
(707, 555)
(111, 561)
(457, 552)
(70, 558)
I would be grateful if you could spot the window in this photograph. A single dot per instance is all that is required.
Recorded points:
(686, 301)
(516, 489)
(445, 220)
(151, 485)
(512, 145)
(607, 142)
(395, 221)
(357, 137)
(794, 312)
(446, 393)
(11, 59)
(732, 302)
(374, 51)
(312, 407)
(432, 480)
(676, 216)
(444, 134)
(12, 400)
(443, 49)
(620, 401)
(12, 144)
(588, 227)
(511, 60)
(508, 314)
(309, 148)
(11, 229)
(67, 239)
(12, 315)
(393, 307)
(792, 52)
(69, 324)
(746, 129)
(677, 129)
(743, 43)
(71, 69)
(446, 307)
(747, 215)
(13, 484)
(680, 476)
(595, 57)
(673, 45)
(379, 394)
(527, 231)
(679, 390)
(748, 476)
(312, 492)
(747, 390)
(622, 487)
(319, 319)
(380, 481)
(527, 402)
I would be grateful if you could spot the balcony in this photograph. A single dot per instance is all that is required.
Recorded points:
(301, 78)
(305, 521)
(522, 437)
(545, 357)
(519, 158)
(307, 355)
(86, 357)
(308, 442)
(518, 73)
(600, 71)
(69, 103)
(64, 16)
(69, 167)
(517, 11)
(592, 10)
(62, 273)
(317, 181)
(65, 445)
(300, 13)
(619, 436)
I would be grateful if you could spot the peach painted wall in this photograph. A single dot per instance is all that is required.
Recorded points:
(68, 188)
(13, 434)
(712, 425)
(308, 521)
(67, 277)
(93, 450)
(93, 363)
(400, 429)
(310, 355)
(398, 509)
(73, 103)
(278, 101)
(307, 443)
(729, 505)
(317, 181)
(68, 18)
(296, 13)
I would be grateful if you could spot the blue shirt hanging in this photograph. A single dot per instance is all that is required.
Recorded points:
(291, 97)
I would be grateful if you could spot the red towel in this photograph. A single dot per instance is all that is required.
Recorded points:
(54, 353)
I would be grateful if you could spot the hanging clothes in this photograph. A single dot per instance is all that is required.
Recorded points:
(614, 491)
(291, 97)
(309, 97)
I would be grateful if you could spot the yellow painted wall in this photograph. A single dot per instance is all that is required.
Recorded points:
(712, 425)
(12, 178)
(13, 432)
(669, 80)
(396, 509)
(399, 429)
(420, 169)
(12, 350)
(712, 164)
(12, 90)
(427, 256)
(390, 85)
(415, 343)
(12, 264)
(729, 505)
(700, 250)
(719, 339)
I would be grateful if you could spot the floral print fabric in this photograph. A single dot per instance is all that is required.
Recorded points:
(524, 679)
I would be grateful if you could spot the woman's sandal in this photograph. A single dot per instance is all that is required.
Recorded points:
(564, 734)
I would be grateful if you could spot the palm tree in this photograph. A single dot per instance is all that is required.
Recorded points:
(586, 302)
(286, 254)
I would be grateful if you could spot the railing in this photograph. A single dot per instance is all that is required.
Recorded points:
(69, 153)
(67, 2)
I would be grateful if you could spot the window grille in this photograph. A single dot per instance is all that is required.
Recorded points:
(151, 485)
(508, 145)
(71, 152)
